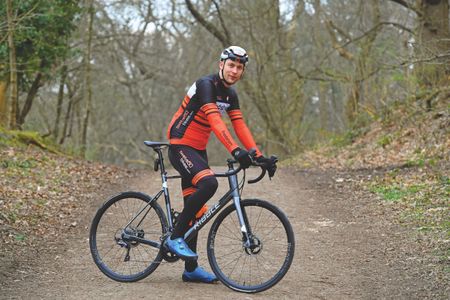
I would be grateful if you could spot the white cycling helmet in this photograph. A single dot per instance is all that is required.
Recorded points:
(234, 53)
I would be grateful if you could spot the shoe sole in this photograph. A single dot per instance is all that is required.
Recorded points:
(186, 279)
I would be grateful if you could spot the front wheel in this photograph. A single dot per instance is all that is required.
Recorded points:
(256, 265)
(125, 236)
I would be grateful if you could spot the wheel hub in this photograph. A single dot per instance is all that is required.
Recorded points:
(255, 246)
(129, 231)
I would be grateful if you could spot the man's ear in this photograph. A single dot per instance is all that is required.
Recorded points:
(221, 64)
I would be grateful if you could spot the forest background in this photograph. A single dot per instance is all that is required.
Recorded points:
(100, 76)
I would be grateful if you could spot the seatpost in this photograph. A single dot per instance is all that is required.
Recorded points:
(161, 160)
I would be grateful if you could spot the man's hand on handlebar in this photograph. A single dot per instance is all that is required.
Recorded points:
(243, 157)
(268, 163)
(247, 158)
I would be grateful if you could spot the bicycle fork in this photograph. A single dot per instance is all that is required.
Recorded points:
(242, 216)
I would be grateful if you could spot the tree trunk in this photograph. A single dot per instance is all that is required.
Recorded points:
(66, 122)
(68, 118)
(363, 66)
(352, 105)
(29, 100)
(434, 41)
(62, 84)
(324, 114)
(87, 77)
(13, 66)
(3, 103)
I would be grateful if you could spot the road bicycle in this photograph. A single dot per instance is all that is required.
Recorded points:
(250, 245)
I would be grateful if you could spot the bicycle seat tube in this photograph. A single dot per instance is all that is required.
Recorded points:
(165, 187)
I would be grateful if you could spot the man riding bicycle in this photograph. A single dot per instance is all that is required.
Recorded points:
(188, 133)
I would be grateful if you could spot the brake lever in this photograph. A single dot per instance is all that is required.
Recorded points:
(261, 176)
(252, 153)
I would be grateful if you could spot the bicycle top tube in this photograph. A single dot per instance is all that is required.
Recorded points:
(222, 174)
(158, 146)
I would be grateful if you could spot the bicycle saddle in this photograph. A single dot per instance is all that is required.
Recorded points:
(156, 144)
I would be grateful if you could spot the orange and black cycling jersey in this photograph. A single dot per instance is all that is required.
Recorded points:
(200, 113)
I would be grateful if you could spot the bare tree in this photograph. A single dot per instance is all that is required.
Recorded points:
(3, 103)
(431, 47)
(87, 89)
(434, 42)
(59, 106)
(13, 67)
(32, 92)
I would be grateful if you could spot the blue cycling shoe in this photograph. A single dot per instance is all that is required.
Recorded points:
(180, 248)
(199, 275)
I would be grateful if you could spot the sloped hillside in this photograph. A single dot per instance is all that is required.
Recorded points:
(406, 138)
(406, 159)
(40, 192)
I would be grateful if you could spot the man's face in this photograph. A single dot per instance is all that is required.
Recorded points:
(232, 70)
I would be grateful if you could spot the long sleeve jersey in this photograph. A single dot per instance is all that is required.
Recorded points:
(200, 113)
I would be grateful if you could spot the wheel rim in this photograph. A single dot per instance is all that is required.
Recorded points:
(260, 265)
(117, 257)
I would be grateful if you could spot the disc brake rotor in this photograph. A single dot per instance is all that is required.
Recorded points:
(255, 246)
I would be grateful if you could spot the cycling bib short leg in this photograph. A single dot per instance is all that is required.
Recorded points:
(198, 184)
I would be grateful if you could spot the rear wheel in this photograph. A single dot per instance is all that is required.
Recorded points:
(117, 233)
(256, 266)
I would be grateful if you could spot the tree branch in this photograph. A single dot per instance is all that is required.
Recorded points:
(339, 48)
(432, 58)
(147, 20)
(208, 26)
(408, 6)
(222, 23)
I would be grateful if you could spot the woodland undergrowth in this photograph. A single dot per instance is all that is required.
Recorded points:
(407, 156)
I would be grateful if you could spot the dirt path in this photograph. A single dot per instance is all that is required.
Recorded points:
(346, 248)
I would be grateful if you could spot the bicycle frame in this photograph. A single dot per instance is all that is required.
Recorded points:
(232, 194)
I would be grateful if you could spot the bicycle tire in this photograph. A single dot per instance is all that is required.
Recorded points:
(251, 270)
(109, 249)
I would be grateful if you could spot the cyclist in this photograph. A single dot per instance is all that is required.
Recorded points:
(188, 133)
